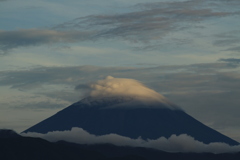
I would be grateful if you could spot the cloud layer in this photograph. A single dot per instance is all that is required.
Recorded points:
(180, 143)
(145, 23)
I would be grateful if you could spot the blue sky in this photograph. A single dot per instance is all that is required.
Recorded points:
(185, 50)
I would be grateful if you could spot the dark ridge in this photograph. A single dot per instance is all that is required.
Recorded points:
(7, 133)
(26, 148)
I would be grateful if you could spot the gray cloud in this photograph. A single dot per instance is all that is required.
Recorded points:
(34, 37)
(181, 143)
(230, 60)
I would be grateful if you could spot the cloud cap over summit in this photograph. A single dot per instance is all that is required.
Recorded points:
(175, 143)
(131, 93)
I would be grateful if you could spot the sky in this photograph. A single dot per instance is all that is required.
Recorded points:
(187, 51)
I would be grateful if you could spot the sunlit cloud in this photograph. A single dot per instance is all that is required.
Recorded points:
(140, 95)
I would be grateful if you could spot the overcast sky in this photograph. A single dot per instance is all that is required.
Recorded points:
(189, 51)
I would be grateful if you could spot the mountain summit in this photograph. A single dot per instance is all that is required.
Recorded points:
(128, 108)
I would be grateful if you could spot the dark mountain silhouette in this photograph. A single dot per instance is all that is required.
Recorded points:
(7, 133)
(26, 148)
(127, 118)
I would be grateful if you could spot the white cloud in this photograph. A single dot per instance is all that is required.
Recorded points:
(180, 143)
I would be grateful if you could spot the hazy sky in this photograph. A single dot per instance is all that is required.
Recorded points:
(189, 51)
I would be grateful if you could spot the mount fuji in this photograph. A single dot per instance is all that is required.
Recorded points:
(126, 107)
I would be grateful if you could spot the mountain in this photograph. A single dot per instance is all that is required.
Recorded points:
(129, 117)
(128, 108)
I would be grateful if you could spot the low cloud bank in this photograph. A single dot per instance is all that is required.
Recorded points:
(181, 143)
